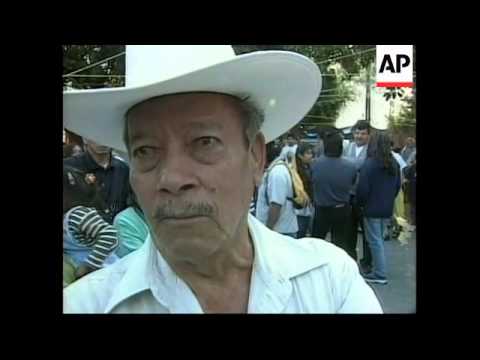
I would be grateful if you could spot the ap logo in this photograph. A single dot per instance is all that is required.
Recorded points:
(394, 66)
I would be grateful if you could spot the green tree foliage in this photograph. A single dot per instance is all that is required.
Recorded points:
(76, 57)
(393, 93)
(408, 114)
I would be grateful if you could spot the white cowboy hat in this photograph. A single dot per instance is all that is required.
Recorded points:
(285, 85)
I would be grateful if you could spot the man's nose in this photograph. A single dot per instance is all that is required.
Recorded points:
(176, 176)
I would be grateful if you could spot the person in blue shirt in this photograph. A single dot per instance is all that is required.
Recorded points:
(131, 227)
(333, 179)
(378, 186)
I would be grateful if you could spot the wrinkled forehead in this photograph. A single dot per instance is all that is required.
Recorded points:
(184, 102)
(183, 114)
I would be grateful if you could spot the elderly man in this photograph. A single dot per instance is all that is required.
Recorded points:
(197, 149)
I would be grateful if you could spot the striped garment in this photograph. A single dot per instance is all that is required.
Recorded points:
(252, 207)
(89, 229)
(253, 202)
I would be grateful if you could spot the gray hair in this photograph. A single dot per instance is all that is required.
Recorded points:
(252, 116)
(253, 119)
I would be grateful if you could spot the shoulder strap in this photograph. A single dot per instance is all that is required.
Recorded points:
(272, 165)
(275, 163)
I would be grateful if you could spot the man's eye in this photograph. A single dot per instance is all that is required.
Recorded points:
(144, 152)
(208, 142)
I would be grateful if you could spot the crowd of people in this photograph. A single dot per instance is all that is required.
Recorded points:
(337, 190)
(102, 220)
(347, 189)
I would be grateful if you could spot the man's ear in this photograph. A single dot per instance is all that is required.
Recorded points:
(258, 157)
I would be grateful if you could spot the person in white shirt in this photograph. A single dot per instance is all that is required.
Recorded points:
(195, 158)
(401, 163)
(274, 202)
(357, 149)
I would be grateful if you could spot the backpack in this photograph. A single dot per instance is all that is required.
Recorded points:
(300, 198)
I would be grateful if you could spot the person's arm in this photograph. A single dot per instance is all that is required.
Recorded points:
(363, 188)
(106, 241)
(273, 215)
(90, 224)
(277, 190)
(131, 234)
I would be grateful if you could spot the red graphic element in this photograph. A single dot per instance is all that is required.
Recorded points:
(394, 84)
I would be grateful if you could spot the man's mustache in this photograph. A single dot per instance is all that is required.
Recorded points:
(183, 210)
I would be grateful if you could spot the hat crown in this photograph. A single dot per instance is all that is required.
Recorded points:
(148, 64)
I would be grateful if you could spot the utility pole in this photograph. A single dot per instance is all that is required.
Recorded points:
(367, 95)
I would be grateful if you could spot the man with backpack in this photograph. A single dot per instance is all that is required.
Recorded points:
(275, 207)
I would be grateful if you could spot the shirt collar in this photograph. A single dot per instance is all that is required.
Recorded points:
(277, 254)
(137, 275)
(275, 265)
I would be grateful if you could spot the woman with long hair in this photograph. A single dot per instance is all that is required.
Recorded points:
(378, 187)
(303, 159)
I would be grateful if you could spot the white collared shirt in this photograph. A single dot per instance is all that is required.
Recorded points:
(358, 150)
(289, 276)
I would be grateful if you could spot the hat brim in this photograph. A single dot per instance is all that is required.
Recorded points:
(284, 85)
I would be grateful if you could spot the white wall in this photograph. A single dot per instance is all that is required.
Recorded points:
(379, 108)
